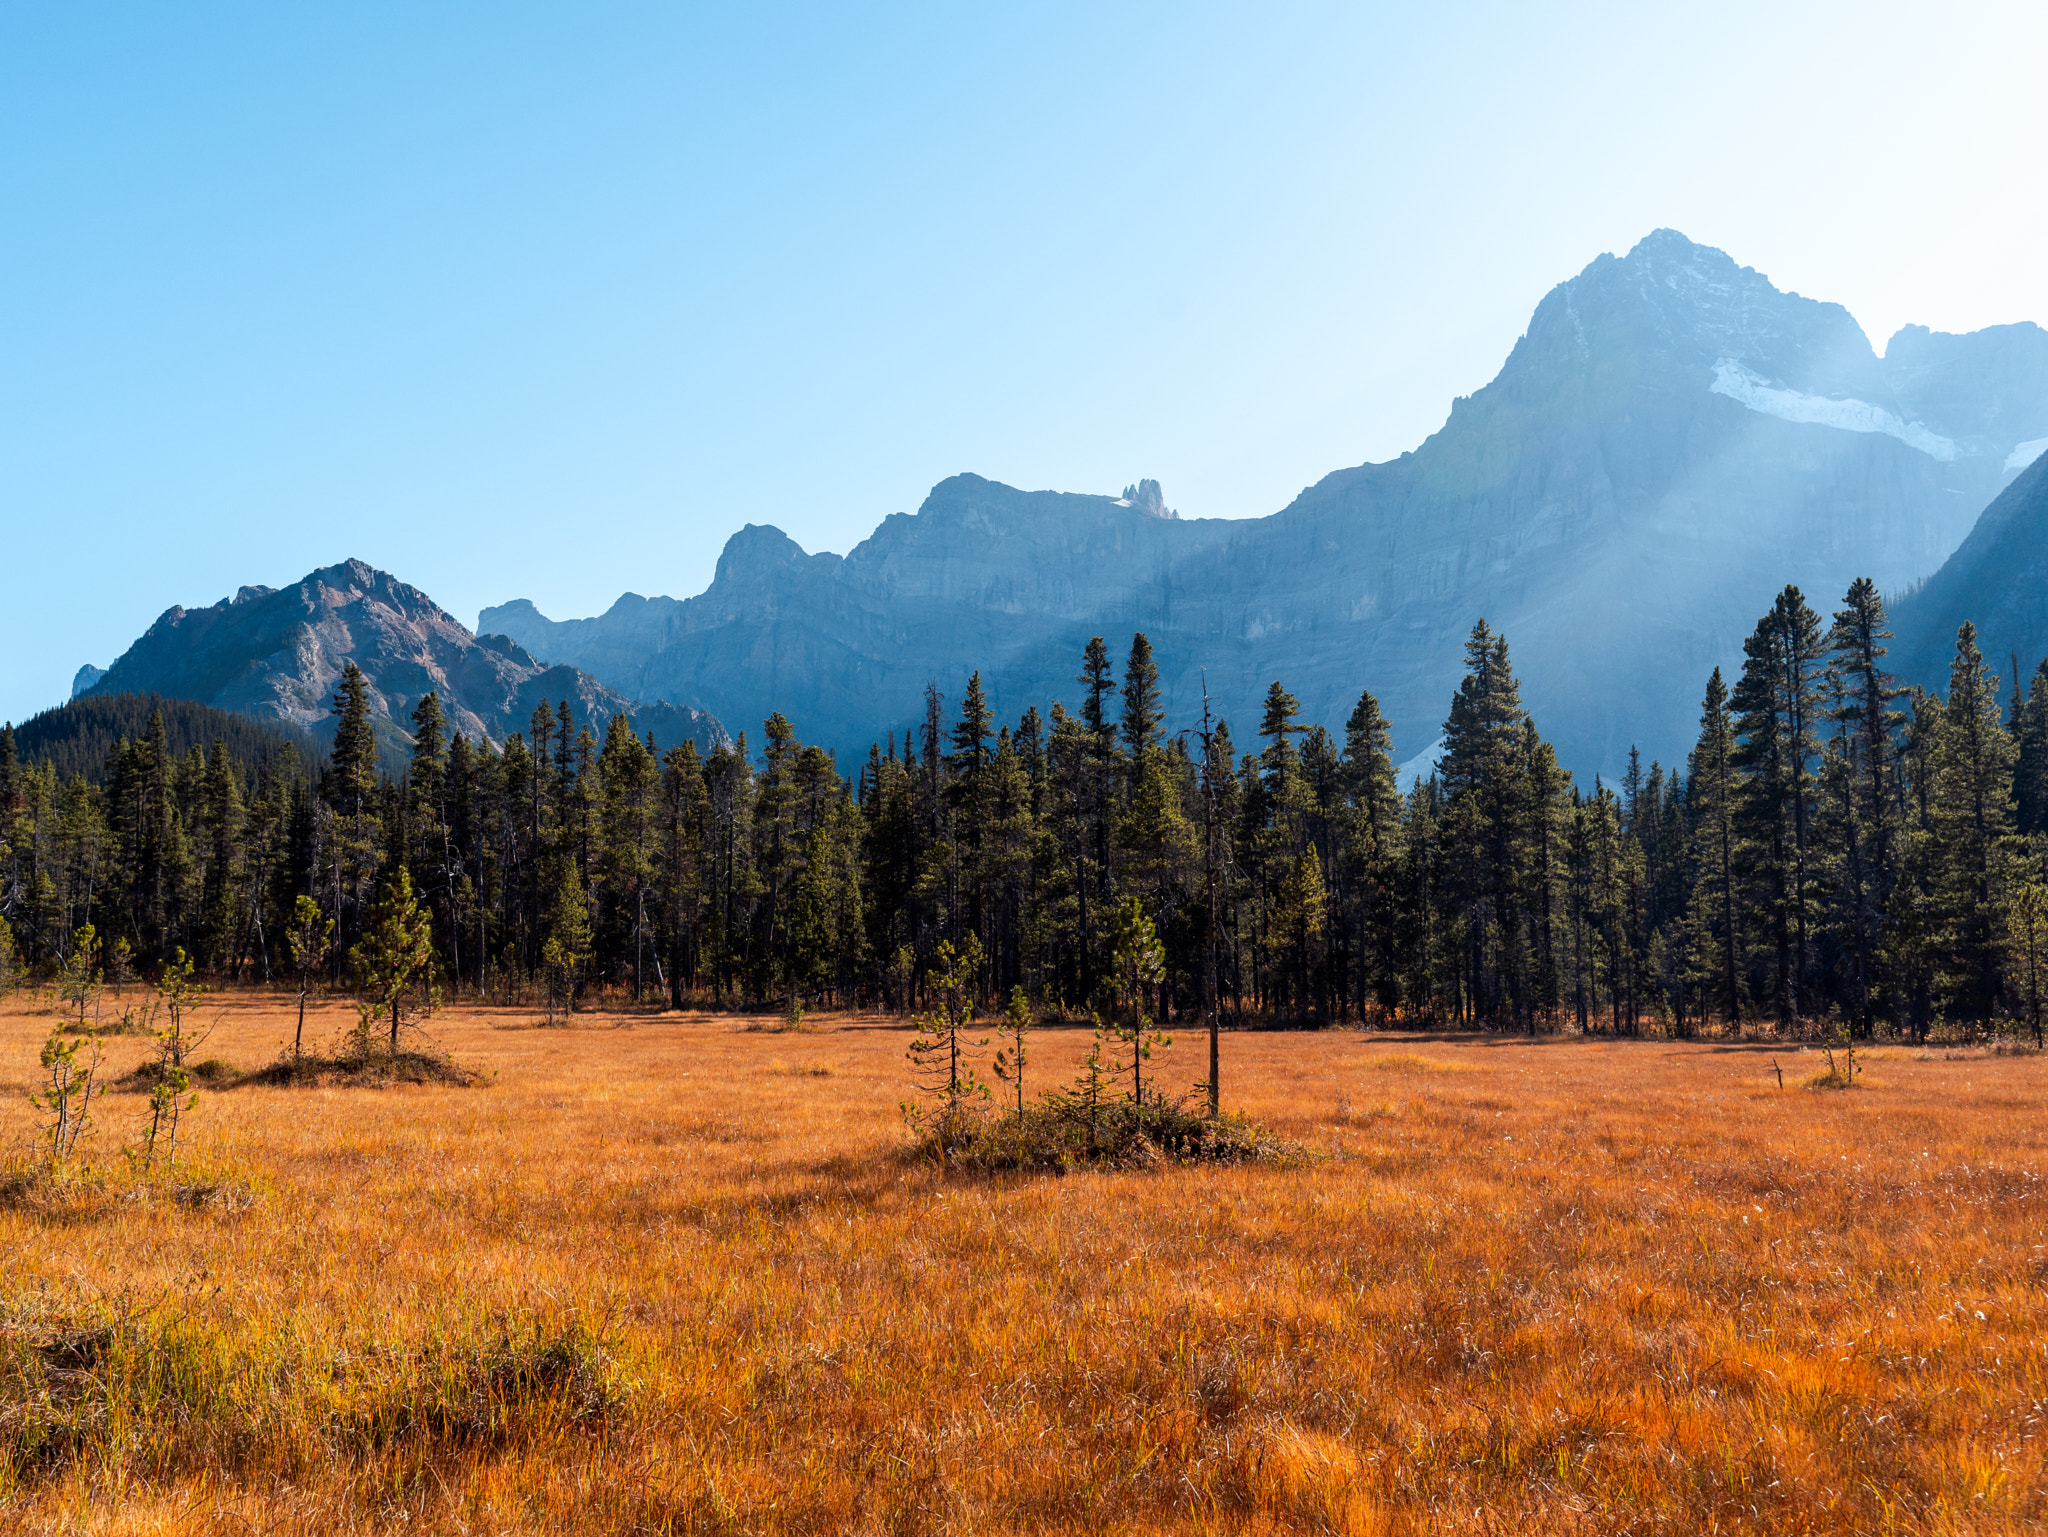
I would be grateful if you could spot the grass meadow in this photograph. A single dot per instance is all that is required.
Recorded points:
(664, 1273)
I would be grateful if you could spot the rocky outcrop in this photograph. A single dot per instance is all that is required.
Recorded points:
(1671, 442)
(278, 655)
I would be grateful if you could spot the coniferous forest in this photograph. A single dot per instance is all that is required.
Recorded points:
(1837, 853)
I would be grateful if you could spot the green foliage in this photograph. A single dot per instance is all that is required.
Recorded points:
(67, 1095)
(179, 994)
(941, 1055)
(78, 739)
(1058, 1135)
(170, 1097)
(78, 980)
(2027, 938)
(1012, 1059)
(393, 963)
(1823, 853)
(566, 949)
(1139, 962)
(308, 937)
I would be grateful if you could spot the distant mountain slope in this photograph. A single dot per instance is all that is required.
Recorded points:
(1998, 580)
(278, 654)
(1672, 441)
(984, 576)
(78, 736)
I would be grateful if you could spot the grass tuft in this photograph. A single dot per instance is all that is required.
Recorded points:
(1411, 1062)
(1059, 1137)
(378, 1070)
(800, 1069)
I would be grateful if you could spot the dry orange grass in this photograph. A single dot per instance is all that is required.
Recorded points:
(1567, 1287)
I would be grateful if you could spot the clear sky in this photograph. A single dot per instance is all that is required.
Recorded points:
(546, 301)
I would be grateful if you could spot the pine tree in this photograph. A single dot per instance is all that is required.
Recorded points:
(355, 827)
(1487, 801)
(1140, 726)
(629, 794)
(1972, 825)
(1372, 844)
(1860, 774)
(307, 939)
(566, 949)
(941, 1055)
(1139, 963)
(2030, 763)
(680, 878)
(1713, 789)
(394, 960)
(1779, 708)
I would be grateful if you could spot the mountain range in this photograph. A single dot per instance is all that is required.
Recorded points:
(1671, 441)
(278, 654)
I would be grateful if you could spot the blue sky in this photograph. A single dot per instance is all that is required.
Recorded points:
(526, 301)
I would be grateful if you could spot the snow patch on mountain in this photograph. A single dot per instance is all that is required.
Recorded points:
(1421, 766)
(2025, 454)
(1757, 393)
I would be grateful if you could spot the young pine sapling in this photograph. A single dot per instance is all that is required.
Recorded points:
(308, 937)
(394, 962)
(169, 1098)
(68, 1099)
(1140, 962)
(1010, 1060)
(180, 995)
(939, 1054)
(78, 980)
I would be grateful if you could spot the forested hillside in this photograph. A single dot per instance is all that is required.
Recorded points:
(1831, 848)
(79, 738)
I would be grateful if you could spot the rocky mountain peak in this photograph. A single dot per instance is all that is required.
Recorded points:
(280, 655)
(759, 553)
(1146, 497)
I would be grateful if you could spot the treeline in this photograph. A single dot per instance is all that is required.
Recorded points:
(1836, 849)
(79, 738)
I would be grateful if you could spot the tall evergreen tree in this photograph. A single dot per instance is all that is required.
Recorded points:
(1779, 708)
(1972, 827)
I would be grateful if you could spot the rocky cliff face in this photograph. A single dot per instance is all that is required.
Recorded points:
(1672, 441)
(1998, 581)
(278, 655)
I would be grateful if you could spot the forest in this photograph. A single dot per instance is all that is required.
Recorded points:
(1837, 854)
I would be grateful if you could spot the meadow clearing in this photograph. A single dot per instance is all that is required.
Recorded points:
(666, 1273)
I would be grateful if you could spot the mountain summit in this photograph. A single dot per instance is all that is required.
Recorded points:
(1672, 440)
(278, 654)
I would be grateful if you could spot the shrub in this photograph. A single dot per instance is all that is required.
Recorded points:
(1061, 1133)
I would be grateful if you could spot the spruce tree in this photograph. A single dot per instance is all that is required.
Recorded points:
(1972, 826)
(355, 831)
(1861, 771)
(1140, 726)
(2030, 761)
(1712, 786)
(1779, 708)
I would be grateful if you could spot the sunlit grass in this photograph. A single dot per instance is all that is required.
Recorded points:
(1410, 1062)
(670, 1277)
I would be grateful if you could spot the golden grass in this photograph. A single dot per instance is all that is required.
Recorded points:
(1411, 1062)
(644, 1281)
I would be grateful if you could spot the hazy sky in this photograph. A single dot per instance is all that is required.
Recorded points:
(546, 301)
